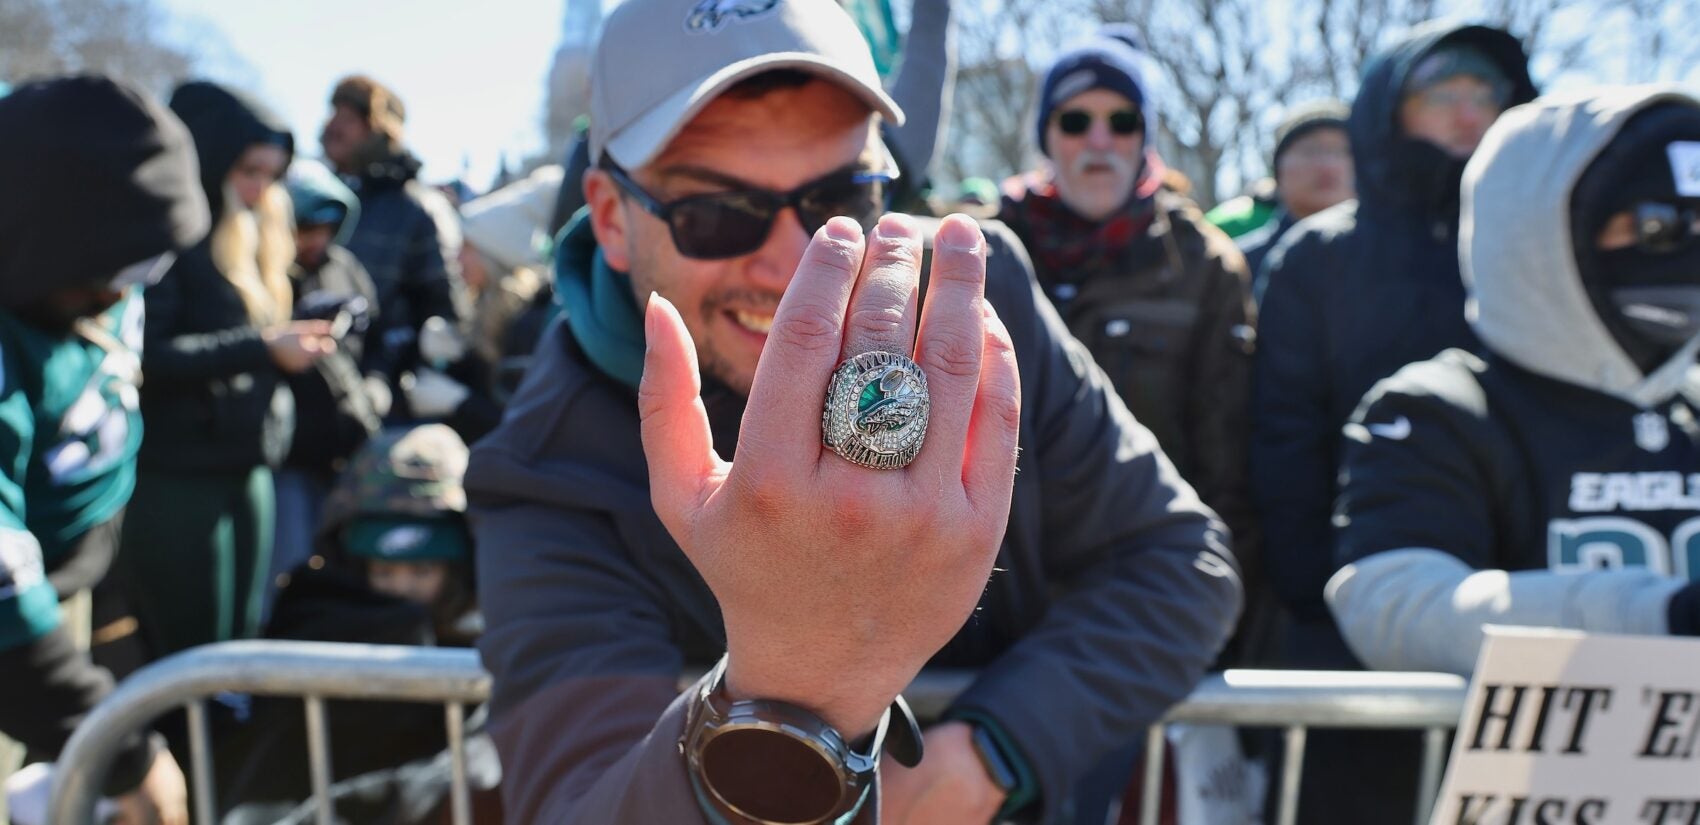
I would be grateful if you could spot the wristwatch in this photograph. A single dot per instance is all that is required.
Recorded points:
(765, 762)
(997, 765)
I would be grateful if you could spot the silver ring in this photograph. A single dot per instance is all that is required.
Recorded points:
(876, 411)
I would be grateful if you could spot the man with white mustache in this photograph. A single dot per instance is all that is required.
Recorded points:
(1160, 297)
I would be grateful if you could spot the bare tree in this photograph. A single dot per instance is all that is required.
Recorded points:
(997, 84)
(121, 38)
(1228, 68)
(1225, 64)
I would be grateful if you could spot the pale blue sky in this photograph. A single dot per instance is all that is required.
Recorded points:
(471, 74)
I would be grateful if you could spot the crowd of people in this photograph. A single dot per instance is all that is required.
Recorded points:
(736, 388)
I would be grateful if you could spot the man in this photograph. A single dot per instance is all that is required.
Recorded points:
(503, 248)
(1160, 297)
(1354, 293)
(1360, 290)
(617, 547)
(408, 236)
(1313, 171)
(101, 193)
(1549, 481)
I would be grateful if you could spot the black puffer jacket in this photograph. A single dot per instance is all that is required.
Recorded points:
(212, 399)
(1354, 293)
(408, 238)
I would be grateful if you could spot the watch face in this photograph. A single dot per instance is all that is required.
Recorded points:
(770, 776)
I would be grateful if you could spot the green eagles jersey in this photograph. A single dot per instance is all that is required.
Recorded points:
(1241, 215)
(70, 427)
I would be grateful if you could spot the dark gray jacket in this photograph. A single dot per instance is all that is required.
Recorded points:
(408, 238)
(1116, 588)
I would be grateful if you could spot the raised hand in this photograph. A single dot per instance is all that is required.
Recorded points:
(837, 582)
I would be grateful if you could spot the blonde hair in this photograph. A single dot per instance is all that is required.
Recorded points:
(253, 249)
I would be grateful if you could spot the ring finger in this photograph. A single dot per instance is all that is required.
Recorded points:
(883, 305)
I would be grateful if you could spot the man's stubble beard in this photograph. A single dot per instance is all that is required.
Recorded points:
(711, 364)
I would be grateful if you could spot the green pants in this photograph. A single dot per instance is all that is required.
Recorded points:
(196, 555)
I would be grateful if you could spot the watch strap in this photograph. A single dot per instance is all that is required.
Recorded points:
(986, 729)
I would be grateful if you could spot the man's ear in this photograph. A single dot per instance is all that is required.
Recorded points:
(607, 218)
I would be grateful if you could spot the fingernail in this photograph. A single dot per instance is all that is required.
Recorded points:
(651, 312)
(843, 229)
(897, 225)
(959, 233)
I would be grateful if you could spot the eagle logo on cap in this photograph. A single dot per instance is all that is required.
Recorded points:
(712, 15)
(403, 539)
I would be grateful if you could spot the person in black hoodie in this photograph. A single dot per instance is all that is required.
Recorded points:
(408, 236)
(1354, 293)
(80, 158)
(219, 344)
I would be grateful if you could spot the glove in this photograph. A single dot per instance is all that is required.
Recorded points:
(431, 394)
(378, 392)
(439, 343)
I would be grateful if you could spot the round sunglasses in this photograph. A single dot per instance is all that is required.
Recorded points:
(1123, 122)
(722, 225)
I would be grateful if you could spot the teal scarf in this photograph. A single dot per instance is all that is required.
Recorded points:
(602, 313)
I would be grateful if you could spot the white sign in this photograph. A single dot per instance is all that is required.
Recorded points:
(1565, 728)
(1685, 167)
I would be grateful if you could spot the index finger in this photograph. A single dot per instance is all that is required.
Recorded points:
(781, 424)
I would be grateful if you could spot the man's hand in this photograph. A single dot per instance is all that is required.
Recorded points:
(949, 787)
(161, 799)
(838, 582)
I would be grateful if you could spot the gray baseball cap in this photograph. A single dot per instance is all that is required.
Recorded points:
(659, 62)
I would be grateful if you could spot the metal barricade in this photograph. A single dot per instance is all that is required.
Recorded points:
(1293, 701)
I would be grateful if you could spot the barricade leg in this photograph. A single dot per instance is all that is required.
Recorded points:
(1434, 759)
(1151, 798)
(200, 761)
(460, 800)
(319, 759)
(1292, 767)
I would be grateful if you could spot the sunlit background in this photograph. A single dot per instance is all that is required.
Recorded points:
(492, 89)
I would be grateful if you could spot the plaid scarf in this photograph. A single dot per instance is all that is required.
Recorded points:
(1067, 247)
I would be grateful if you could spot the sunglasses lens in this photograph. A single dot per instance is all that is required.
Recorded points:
(1126, 122)
(1660, 227)
(721, 226)
(862, 202)
(1074, 122)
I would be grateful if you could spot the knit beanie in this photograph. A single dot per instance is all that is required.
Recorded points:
(1304, 119)
(1109, 60)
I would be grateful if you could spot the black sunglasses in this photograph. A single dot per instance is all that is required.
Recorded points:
(1665, 227)
(1123, 122)
(728, 224)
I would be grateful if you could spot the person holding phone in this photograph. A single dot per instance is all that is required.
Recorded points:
(219, 344)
